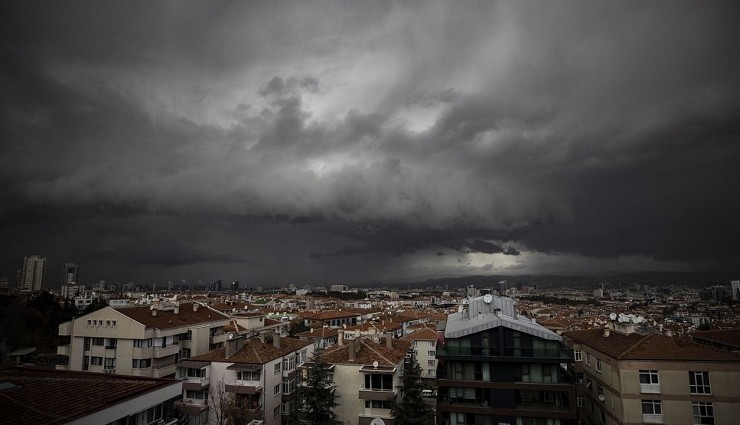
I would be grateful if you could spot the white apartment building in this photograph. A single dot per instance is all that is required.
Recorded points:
(140, 341)
(259, 372)
(367, 375)
(424, 344)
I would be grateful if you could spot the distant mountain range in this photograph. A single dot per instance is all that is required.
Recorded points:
(697, 279)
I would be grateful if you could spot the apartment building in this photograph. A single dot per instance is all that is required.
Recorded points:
(628, 377)
(367, 375)
(330, 318)
(320, 337)
(497, 367)
(140, 341)
(260, 371)
(424, 344)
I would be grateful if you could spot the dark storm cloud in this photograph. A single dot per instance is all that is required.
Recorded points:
(191, 135)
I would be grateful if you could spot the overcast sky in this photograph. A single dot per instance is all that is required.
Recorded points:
(344, 142)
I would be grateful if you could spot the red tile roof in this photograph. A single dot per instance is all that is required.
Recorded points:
(255, 351)
(167, 319)
(636, 346)
(729, 337)
(367, 352)
(425, 334)
(45, 396)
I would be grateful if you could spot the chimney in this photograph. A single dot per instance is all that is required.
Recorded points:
(353, 346)
(177, 308)
(195, 306)
(234, 344)
(340, 338)
(154, 312)
(262, 337)
(389, 340)
(606, 332)
(276, 339)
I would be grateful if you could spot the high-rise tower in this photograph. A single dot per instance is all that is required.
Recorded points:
(34, 272)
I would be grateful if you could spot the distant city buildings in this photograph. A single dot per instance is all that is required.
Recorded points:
(735, 285)
(33, 273)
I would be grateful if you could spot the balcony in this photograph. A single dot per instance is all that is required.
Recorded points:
(164, 370)
(377, 394)
(650, 389)
(191, 406)
(142, 352)
(562, 353)
(169, 350)
(195, 384)
(239, 386)
(652, 419)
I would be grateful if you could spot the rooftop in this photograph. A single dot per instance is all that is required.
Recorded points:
(167, 319)
(43, 396)
(255, 351)
(367, 352)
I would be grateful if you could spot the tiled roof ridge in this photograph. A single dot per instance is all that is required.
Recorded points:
(633, 346)
(375, 351)
(254, 349)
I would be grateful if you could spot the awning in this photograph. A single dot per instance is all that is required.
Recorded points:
(245, 367)
(193, 363)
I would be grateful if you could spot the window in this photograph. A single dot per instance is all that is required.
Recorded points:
(578, 355)
(111, 343)
(276, 389)
(87, 343)
(579, 377)
(431, 362)
(277, 368)
(96, 361)
(378, 382)
(142, 343)
(196, 395)
(194, 372)
(98, 341)
(248, 376)
(288, 386)
(89, 323)
(276, 412)
(652, 412)
(430, 353)
(598, 365)
(703, 413)
(377, 404)
(599, 391)
(588, 359)
(85, 362)
(699, 383)
(580, 401)
(649, 382)
(602, 416)
(289, 363)
(432, 343)
(110, 363)
(141, 363)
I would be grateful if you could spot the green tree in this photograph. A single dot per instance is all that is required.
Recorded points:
(316, 398)
(297, 326)
(411, 409)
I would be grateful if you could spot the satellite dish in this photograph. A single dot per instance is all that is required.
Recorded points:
(601, 397)
(231, 335)
(377, 421)
(375, 364)
(613, 316)
(487, 298)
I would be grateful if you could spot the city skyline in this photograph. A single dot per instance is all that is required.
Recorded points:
(276, 143)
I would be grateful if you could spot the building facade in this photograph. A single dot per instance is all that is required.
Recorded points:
(496, 367)
(258, 374)
(140, 341)
(627, 377)
(33, 273)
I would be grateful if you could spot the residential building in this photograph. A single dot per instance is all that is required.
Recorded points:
(259, 370)
(424, 344)
(724, 339)
(330, 318)
(320, 337)
(33, 273)
(627, 377)
(500, 367)
(367, 375)
(735, 286)
(140, 341)
(53, 397)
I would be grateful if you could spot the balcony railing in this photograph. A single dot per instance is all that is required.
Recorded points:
(563, 353)
(650, 388)
(241, 386)
(166, 351)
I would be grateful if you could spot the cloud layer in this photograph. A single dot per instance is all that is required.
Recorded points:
(276, 142)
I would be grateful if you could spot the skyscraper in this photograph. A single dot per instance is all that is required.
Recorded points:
(735, 284)
(34, 272)
(69, 274)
